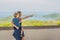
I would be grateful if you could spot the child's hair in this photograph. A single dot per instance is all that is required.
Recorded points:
(15, 15)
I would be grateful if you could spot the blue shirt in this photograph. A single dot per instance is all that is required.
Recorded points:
(16, 21)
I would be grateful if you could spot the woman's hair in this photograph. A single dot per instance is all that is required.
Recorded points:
(15, 15)
(18, 11)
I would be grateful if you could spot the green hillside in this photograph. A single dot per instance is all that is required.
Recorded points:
(6, 22)
(55, 16)
(6, 18)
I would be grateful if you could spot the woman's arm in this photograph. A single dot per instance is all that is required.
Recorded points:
(26, 17)
(14, 25)
(22, 30)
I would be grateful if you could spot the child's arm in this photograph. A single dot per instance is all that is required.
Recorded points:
(14, 25)
(26, 17)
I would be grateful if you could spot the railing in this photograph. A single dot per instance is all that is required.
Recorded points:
(31, 27)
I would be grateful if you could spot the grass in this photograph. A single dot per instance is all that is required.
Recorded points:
(5, 24)
(30, 23)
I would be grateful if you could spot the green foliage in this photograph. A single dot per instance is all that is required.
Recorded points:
(6, 22)
(32, 23)
(24, 23)
(53, 16)
(58, 23)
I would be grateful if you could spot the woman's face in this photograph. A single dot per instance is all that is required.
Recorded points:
(19, 15)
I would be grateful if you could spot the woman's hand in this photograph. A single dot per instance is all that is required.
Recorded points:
(26, 17)
(31, 15)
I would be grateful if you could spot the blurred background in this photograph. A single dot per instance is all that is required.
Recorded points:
(46, 12)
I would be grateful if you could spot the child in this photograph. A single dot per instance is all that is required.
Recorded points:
(16, 22)
(16, 26)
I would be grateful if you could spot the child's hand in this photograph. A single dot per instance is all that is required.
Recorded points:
(17, 27)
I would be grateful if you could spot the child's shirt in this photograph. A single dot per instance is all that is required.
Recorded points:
(16, 21)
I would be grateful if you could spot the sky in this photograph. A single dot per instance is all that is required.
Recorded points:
(29, 5)
(42, 6)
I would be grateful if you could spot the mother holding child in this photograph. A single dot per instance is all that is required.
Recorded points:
(16, 23)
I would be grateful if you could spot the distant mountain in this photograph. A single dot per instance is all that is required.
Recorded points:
(55, 16)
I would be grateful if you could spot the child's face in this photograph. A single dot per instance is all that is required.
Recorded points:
(18, 15)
